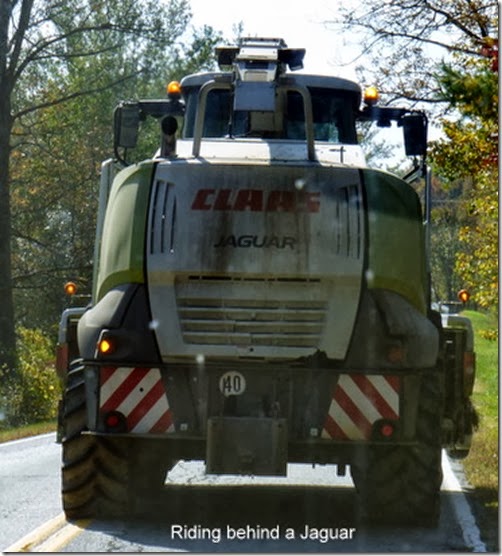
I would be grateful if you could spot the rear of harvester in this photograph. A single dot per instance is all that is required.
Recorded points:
(251, 311)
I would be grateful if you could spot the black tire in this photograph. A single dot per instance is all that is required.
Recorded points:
(468, 423)
(94, 472)
(400, 485)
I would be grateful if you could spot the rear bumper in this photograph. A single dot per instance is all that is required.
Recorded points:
(328, 415)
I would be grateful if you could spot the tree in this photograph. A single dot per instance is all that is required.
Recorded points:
(401, 42)
(446, 223)
(56, 176)
(469, 151)
(45, 49)
(445, 54)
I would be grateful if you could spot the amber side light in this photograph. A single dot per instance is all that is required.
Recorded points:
(464, 296)
(105, 346)
(70, 288)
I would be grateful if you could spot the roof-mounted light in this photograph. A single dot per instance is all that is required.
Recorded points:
(173, 89)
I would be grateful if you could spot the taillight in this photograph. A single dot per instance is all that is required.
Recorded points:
(387, 430)
(469, 372)
(62, 360)
(114, 421)
(384, 429)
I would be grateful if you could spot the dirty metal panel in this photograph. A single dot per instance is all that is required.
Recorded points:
(262, 261)
(247, 446)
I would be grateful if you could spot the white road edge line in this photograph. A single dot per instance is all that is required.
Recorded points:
(27, 439)
(463, 513)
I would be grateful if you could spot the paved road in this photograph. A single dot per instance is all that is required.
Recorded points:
(29, 485)
(218, 515)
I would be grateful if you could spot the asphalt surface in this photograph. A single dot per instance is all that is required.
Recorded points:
(311, 510)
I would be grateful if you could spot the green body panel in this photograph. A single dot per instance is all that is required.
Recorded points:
(396, 252)
(121, 258)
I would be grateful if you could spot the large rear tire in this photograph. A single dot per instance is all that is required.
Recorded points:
(400, 485)
(94, 472)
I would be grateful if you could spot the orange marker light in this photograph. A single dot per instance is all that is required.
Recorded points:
(371, 95)
(174, 88)
(70, 288)
(464, 296)
(105, 346)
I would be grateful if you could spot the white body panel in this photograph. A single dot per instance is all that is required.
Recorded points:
(254, 259)
(270, 150)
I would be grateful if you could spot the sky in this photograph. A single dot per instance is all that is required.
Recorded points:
(300, 24)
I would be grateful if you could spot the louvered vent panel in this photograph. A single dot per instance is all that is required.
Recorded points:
(289, 321)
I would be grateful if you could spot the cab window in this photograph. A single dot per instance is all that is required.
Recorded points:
(334, 118)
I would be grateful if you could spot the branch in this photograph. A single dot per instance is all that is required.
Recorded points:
(383, 34)
(457, 23)
(74, 95)
(48, 271)
(45, 44)
(24, 22)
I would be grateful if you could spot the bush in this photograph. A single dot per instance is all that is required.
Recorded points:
(492, 334)
(33, 394)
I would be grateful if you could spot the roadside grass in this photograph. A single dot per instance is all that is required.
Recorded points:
(16, 433)
(482, 464)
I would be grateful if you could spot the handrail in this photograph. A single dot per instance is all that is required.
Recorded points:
(201, 111)
(213, 84)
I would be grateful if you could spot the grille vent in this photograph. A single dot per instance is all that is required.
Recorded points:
(250, 314)
(163, 219)
(347, 221)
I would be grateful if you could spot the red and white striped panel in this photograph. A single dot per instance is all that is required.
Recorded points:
(358, 401)
(139, 394)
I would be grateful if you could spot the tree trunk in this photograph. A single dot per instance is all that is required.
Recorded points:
(7, 326)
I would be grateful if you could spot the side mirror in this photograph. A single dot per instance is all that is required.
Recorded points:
(126, 125)
(415, 134)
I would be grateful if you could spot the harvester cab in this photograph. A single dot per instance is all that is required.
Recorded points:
(254, 96)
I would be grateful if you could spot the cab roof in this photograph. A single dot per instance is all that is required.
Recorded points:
(306, 80)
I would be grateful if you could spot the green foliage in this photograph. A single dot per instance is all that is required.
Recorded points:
(492, 335)
(469, 151)
(108, 52)
(33, 395)
(445, 54)
(475, 93)
(401, 41)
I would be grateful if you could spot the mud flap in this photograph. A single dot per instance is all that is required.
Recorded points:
(247, 446)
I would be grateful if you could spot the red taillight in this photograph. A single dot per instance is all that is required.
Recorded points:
(112, 420)
(115, 421)
(62, 360)
(469, 371)
(387, 430)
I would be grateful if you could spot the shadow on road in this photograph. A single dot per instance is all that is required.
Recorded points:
(267, 519)
(242, 505)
